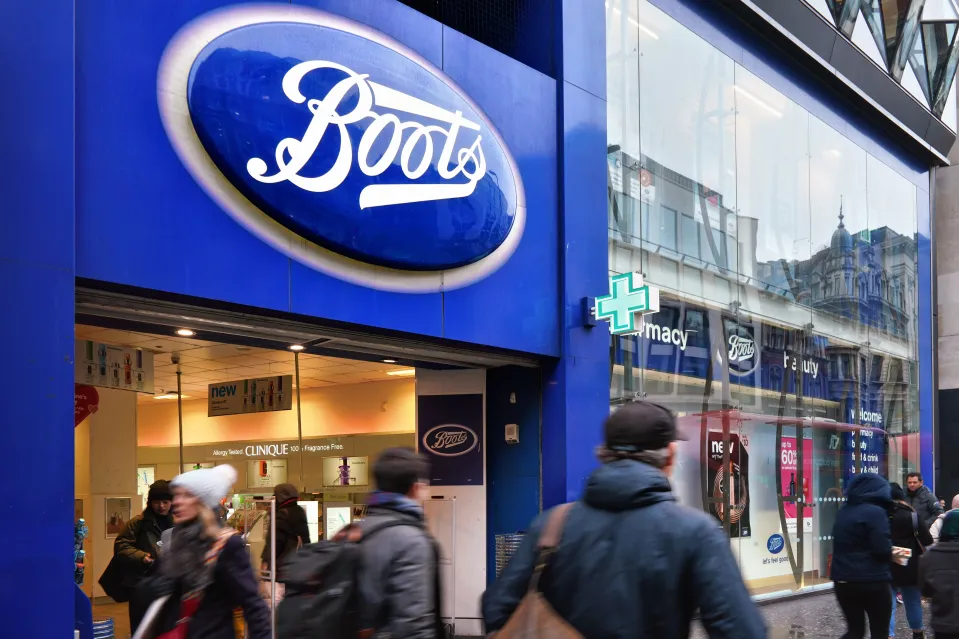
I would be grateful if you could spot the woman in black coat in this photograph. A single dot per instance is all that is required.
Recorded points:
(205, 570)
(292, 531)
(908, 531)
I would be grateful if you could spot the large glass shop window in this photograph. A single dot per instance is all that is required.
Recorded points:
(786, 256)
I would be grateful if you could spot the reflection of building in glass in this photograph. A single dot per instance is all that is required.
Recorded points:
(869, 277)
(865, 281)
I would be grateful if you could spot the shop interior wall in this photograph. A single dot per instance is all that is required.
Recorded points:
(82, 495)
(104, 468)
(166, 459)
(464, 571)
(513, 499)
(347, 409)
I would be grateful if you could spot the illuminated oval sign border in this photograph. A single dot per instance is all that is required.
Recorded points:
(172, 81)
(434, 451)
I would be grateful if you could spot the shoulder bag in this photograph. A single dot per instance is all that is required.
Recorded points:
(534, 618)
(915, 532)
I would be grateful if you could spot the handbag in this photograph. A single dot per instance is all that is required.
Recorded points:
(915, 532)
(534, 617)
(120, 578)
(190, 602)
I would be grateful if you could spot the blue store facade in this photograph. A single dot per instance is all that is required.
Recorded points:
(433, 181)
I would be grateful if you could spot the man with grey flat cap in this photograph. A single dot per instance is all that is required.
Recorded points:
(630, 561)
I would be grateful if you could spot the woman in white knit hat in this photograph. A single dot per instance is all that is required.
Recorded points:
(204, 568)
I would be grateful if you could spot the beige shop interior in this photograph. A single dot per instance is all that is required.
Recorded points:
(349, 408)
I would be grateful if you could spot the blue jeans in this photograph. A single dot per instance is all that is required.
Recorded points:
(912, 602)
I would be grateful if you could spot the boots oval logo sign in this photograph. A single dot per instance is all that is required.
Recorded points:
(341, 147)
(450, 440)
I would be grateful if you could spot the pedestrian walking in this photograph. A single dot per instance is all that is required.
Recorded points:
(292, 533)
(922, 500)
(937, 525)
(862, 556)
(626, 560)
(137, 547)
(204, 572)
(939, 579)
(907, 531)
(399, 578)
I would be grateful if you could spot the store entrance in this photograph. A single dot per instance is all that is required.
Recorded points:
(164, 389)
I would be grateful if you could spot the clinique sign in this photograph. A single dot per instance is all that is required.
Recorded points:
(261, 451)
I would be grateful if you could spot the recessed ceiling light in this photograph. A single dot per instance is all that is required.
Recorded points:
(185, 332)
(297, 347)
(406, 372)
(389, 361)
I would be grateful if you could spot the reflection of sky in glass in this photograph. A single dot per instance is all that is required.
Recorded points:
(745, 179)
(693, 131)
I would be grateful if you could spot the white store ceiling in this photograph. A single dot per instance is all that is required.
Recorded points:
(203, 363)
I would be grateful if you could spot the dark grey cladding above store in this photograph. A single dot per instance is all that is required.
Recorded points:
(908, 35)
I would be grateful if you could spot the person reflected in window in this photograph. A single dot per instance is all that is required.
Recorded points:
(936, 526)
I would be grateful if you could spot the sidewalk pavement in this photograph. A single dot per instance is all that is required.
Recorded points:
(814, 617)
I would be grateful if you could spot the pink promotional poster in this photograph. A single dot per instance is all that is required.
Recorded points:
(789, 454)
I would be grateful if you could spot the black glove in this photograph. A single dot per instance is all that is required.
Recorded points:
(161, 586)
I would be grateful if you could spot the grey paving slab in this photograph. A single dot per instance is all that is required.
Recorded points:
(812, 618)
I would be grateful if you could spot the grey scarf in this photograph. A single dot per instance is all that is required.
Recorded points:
(183, 556)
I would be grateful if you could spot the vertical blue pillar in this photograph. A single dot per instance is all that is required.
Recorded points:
(36, 317)
(576, 388)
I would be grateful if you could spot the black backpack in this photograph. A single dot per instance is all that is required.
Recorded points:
(322, 598)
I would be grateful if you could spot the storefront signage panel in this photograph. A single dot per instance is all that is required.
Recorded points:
(260, 395)
(791, 487)
(762, 356)
(449, 430)
(277, 450)
(249, 257)
(870, 454)
(108, 366)
(733, 479)
(629, 300)
(351, 142)
(346, 471)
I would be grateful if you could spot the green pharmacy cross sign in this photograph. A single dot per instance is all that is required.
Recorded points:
(628, 298)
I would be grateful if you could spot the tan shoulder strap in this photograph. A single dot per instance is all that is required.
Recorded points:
(552, 533)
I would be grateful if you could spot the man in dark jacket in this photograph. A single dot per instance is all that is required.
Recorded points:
(139, 541)
(292, 530)
(632, 562)
(922, 500)
(862, 556)
(399, 561)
